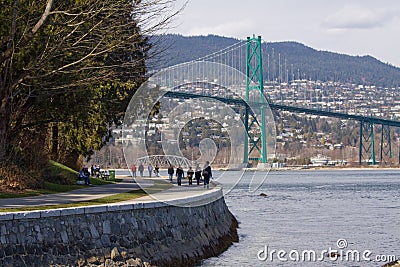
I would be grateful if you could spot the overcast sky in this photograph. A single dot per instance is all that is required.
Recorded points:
(355, 27)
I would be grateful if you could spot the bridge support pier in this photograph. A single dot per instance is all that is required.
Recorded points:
(386, 145)
(367, 143)
(246, 136)
(255, 81)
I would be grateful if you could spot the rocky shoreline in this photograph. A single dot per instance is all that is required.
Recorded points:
(121, 259)
(392, 264)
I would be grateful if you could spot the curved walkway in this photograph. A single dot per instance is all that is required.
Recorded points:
(79, 195)
(95, 192)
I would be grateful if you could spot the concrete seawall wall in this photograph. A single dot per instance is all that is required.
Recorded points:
(155, 232)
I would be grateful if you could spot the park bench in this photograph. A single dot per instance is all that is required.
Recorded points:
(105, 175)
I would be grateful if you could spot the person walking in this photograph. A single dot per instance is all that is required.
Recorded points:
(207, 167)
(150, 169)
(133, 170)
(141, 169)
(179, 175)
(207, 174)
(197, 174)
(189, 174)
(170, 172)
(157, 171)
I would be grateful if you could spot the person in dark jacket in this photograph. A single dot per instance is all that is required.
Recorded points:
(179, 175)
(189, 174)
(141, 169)
(207, 174)
(170, 172)
(197, 174)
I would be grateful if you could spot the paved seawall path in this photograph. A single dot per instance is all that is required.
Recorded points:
(79, 195)
(174, 226)
(95, 192)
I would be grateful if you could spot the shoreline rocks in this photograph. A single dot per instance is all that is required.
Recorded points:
(392, 264)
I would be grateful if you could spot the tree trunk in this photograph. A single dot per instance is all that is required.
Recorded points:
(4, 134)
(54, 141)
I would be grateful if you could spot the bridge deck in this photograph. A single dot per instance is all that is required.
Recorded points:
(241, 102)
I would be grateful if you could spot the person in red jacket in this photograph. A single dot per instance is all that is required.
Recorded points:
(133, 170)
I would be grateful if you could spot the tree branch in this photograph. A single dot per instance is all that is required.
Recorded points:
(45, 14)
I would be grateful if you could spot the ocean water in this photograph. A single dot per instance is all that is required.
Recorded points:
(347, 218)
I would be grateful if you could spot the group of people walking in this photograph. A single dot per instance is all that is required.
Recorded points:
(150, 169)
(199, 173)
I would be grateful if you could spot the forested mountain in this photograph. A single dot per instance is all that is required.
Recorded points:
(296, 60)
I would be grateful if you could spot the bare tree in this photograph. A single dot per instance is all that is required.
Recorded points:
(55, 50)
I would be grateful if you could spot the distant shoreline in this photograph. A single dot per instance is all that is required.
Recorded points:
(350, 168)
(323, 168)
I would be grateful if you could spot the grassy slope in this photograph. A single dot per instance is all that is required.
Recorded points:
(61, 172)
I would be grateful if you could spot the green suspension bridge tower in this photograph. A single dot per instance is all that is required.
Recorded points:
(255, 81)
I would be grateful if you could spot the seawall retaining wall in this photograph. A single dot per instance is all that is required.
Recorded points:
(115, 235)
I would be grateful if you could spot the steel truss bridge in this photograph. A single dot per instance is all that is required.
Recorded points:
(164, 161)
(254, 82)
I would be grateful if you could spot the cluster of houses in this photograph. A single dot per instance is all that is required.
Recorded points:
(367, 100)
(333, 96)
